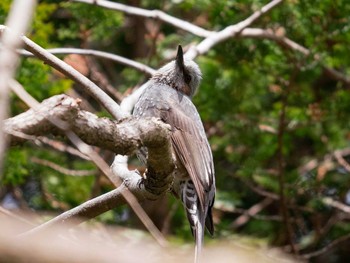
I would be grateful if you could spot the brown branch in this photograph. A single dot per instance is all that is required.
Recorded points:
(61, 169)
(251, 212)
(338, 155)
(326, 248)
(88, 210)
(281, 162)
(258, 33)
(100, 54)
(62, 147)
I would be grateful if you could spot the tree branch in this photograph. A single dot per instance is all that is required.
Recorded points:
(123, 137)
(326, 248)
(100, 54)
(229, 32)
(111, 106)
(61, 169)
(155, 14)
(213, 37)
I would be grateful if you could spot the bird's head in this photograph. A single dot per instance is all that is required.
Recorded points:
(181, 74)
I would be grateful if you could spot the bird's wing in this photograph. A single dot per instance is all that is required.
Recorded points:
(188, 136)
(192, 148)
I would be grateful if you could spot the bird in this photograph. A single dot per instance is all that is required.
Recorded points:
(168, 96)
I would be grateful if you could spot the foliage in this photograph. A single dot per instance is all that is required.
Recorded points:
(247, 84)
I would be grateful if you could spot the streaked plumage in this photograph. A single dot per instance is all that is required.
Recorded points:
(168, 97)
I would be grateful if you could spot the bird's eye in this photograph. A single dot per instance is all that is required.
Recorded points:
(187, 78)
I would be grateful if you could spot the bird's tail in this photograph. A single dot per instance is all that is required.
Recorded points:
(195, 215)
(199, 236)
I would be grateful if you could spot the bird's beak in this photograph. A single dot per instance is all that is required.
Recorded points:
(180, 59)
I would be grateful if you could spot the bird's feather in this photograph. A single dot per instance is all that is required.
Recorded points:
(191, 147)
(188, 135)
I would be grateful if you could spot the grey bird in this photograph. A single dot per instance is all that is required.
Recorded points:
(167, 96)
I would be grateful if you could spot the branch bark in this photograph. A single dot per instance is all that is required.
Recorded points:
(122, 137)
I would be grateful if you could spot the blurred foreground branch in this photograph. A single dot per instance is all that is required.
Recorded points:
(9, 58)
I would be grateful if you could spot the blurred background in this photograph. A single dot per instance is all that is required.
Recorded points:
(277, 119)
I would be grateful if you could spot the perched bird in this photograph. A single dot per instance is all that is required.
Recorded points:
(168, 96)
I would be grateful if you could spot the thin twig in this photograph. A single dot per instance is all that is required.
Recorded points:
(336, 204)
(100, 54)
(155, 14)
(62, 147)
(214, 37)
(229, 32)
(326, 248)
(281, 163)
(61, 169)
(251, 212)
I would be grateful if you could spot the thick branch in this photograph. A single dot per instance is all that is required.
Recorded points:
(120, 137)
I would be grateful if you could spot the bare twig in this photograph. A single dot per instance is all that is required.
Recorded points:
(251, 212)
(271, 35)
(281, 163)
(326, 248)
(100, 54)
(9, 57)
(155, 14)
(61, 169)
(62, 147)
(213, 37)
(229, 32)
(336, 204)
(338, 156)
(38, 140)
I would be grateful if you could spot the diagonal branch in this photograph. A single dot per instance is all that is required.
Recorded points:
(61, 169)
(213, 37)
(229, 32)
(124, 137)
(100, 54)
(111, 106)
